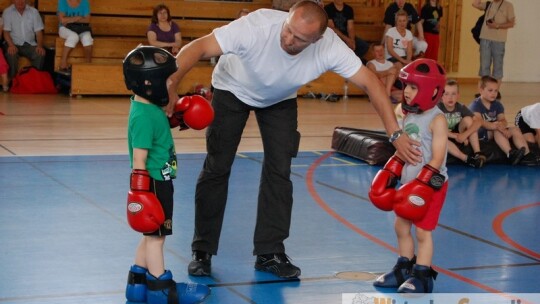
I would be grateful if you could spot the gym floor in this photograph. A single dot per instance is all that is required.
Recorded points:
(64, 170)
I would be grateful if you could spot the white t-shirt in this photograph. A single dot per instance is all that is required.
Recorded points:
(399, 42)
(381, 66)
(531, 115)
(260, 73)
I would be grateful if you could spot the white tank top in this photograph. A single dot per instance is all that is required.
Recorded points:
(417, 127)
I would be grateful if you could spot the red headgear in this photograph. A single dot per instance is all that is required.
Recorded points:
(427, 75)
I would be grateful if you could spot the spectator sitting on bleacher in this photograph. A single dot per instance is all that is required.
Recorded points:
(70, 13)
(4, 67)
(399, 42)
(163, 32)
(384, 69)
(23, 32)
(419, 44)
(341, 20)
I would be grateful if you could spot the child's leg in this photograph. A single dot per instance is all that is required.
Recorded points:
(5, 82)
(530, 138)
(136, 288)
(404, 237)
(502, 142)
(402, 270)
(455, 151)
(518, 139)
(464, 125)
(154, 255)
(425, 247)
(422, 275)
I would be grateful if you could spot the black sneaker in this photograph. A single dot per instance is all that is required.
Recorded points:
(516, 155)
(201, 264)
(529, 160)
(278, 264)
(477, 160)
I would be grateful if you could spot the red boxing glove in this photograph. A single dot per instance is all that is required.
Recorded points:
(144, 211)
(383, 190)
(199, 113)
(412, 198)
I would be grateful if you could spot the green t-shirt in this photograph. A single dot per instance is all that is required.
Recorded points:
(148, 128)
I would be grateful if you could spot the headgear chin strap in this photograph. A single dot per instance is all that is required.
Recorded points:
(146, 69)
(427, 75)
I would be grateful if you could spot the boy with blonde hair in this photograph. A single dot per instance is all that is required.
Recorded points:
(463, 126)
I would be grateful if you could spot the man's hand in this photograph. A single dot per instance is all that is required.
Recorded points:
(40, 50)
(407, 149)
(12, 50)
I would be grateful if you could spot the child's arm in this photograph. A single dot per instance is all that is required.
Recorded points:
(484, 123)
(144, 211)
(502, 125)
(439, 130)
(501, 121)
(476, 124)
(139, 158)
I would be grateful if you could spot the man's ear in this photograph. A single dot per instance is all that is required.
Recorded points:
(435, 92)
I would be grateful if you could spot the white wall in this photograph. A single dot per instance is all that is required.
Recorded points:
(522, 60)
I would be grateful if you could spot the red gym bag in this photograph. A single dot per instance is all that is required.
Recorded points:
(30, 80)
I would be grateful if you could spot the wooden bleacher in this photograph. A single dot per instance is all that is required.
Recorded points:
(119, 26)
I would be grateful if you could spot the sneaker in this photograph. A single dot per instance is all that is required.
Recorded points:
(516, 155)
(477, 160)
(201, 264)
(310, 95)
(64, 71)
(529, 160)
(278, 264)
(332, 97)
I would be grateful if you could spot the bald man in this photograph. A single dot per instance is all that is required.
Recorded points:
(269, 55)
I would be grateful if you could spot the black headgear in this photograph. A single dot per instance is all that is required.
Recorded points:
(146, 70)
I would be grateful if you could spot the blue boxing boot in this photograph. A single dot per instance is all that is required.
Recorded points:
(136, 285)
(421, 280)
(164, 290)
(398, 275)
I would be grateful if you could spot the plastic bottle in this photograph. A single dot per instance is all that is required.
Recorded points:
(346, 90)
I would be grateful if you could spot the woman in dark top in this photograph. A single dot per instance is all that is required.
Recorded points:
(163, 32)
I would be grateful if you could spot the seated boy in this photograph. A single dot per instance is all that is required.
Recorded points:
(528, 121)
(494, 124)
(383, 68)
(463, 126)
